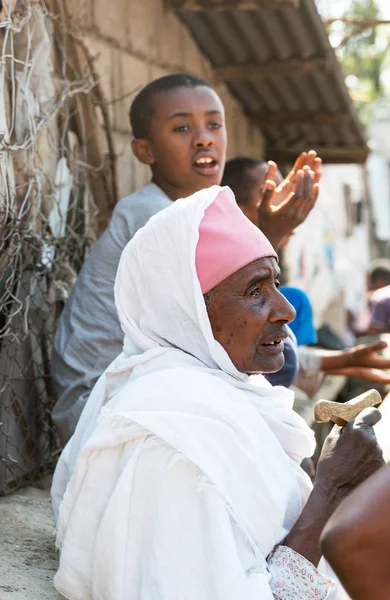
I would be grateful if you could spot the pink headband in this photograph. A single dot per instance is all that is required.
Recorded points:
(227, 242)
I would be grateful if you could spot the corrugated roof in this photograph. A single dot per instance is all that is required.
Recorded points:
(306, 105)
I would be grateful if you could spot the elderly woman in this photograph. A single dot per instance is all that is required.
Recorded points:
(183, 478)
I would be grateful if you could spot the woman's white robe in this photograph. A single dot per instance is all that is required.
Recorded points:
(183, 474)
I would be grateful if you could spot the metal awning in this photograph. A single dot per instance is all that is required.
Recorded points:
(281, 67)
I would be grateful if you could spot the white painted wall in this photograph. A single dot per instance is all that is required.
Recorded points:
(320, 257)
(378, 166)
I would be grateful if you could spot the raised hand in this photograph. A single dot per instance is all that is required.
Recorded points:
(308, 160)
(282, 208)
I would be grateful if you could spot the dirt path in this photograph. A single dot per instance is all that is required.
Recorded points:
(27, 547)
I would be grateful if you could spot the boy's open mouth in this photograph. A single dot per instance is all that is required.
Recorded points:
(206, 164)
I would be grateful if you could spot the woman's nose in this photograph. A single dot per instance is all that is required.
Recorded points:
(284, 311)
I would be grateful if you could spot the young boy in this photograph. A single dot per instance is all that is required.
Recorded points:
(179, 130)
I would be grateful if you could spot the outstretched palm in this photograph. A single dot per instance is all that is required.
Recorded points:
(366, 356)
(282, 208)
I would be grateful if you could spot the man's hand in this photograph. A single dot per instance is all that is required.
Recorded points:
(363, 358)
(284, 207)
(308, 160)
(366, 356)
(374, 375)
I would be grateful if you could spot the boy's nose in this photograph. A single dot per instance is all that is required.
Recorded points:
(203, 139)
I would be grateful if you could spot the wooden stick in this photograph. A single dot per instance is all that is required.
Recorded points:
(342, 413)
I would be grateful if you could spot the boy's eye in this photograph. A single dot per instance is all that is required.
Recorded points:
(215, 125)
(181, 128)
(277, 283)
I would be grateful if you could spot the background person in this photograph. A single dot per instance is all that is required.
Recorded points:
(303, 324)
(356, 540)
(379, 300)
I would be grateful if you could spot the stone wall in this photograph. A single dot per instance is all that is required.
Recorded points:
(136, 41)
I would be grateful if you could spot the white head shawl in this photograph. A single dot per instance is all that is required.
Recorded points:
(174, 380)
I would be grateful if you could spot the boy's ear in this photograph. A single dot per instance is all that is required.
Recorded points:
(141, 150)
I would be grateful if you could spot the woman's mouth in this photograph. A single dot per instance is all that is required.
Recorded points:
(206, 165)
(273, 347)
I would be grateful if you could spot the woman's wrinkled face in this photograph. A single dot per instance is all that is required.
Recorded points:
(248, 317)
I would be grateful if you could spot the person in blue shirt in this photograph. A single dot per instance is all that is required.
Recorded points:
(302, 326)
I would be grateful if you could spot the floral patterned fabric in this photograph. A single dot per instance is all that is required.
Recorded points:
(295, 578)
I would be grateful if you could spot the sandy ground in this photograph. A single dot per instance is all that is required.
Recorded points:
(28, 559)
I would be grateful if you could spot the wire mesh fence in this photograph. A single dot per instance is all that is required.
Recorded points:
(57, 188)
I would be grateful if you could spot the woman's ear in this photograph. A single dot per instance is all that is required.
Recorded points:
(141, 150)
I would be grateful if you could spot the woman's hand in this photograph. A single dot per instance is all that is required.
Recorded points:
(284, 207)
(349, 455)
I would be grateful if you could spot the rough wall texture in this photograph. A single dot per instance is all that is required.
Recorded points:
(136, 41)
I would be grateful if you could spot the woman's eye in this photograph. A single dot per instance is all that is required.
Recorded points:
(255, 292)
(215, 125)
(181, 128)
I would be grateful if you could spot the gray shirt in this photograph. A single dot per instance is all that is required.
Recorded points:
(88, 336)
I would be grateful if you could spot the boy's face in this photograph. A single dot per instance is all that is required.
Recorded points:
(186, 147)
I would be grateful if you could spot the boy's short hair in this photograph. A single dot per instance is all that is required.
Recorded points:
(237, 175)
(380, 271)
(142, 107)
